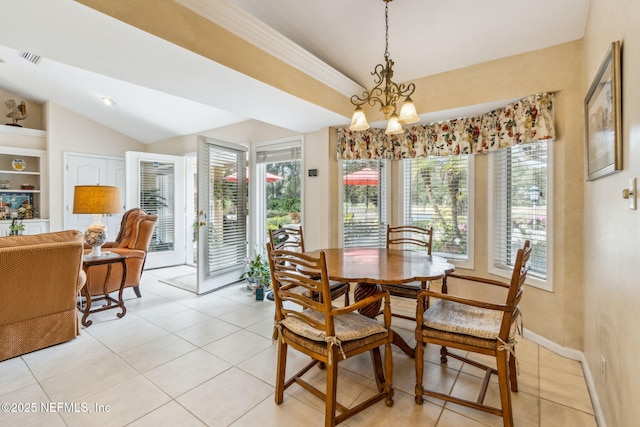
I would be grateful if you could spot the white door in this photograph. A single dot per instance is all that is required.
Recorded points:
(82, 169)
(156, 183)
(222, 223)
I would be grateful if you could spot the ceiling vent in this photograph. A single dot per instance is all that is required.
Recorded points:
(31, 57)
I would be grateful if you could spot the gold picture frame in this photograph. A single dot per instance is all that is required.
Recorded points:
(603, 119)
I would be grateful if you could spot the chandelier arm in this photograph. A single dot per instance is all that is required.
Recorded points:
(369, 97)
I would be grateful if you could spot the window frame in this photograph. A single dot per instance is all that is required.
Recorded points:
(540, 283)
(257, 192)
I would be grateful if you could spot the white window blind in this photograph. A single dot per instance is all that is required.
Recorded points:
(271, 154)
(437, 195)
(157, 197)
(520, 205)
(227, 232)
(364, 203)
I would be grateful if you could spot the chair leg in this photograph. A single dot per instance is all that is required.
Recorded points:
(419, 373)
(136, 289)
(346, 298)
(281, 371)
(388, 367)
(443, 354)
(378, 368)
(332, 382)
(505, 391)
(513, 373)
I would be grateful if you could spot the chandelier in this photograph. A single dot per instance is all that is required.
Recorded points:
(386, 93)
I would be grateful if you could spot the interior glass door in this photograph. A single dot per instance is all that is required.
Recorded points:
(156, 185)
(221, 216)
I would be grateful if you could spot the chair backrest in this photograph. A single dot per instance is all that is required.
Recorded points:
(516, 288)
(40, 275)
(295, 278)
(136, 229)
(287, 238)
(410, 237)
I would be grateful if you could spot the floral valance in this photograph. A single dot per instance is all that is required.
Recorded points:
(527, 120)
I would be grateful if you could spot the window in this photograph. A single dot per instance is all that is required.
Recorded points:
(521, 204)
(278, 186)
(437, 195)
(364, 203)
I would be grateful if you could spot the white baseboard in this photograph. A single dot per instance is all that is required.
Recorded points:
(572, 354)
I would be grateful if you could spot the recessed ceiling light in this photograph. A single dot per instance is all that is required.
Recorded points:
(108, 101)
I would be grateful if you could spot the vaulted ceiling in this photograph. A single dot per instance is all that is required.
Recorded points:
(185, 66)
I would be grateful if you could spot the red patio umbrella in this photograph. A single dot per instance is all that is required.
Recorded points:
(365, 176)
(234, 177)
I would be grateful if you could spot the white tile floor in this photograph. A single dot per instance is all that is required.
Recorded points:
(177, 359)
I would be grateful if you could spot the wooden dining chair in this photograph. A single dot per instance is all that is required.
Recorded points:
(292, 239)
(413, 238)
(478, 327)
(326, 333)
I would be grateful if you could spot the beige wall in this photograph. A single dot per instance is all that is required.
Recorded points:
(317, 208)
(612, 230)
(244, 133)
(71, 132)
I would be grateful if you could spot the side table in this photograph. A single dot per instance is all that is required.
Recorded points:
(108, 259)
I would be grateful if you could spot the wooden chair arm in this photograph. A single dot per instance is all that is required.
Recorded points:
(478, 279)
(423, 295)
(372, 299)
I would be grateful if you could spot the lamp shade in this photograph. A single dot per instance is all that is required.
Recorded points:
(359, 120)
(408, 113)
(96, 199)
(394, 127)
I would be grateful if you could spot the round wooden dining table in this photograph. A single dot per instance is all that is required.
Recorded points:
(371, 267)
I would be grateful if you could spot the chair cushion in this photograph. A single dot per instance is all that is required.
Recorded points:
(337, 289)
(405, 290)
(348, 326)
(450, 316)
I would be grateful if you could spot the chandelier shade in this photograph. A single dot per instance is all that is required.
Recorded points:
(393, 126)
(359, 120)
(387, 93)
(408, 113)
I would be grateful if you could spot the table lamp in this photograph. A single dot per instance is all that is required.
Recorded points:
(97, 200)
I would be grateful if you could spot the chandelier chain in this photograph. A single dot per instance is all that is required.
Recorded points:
(386, 92)
(386, 29)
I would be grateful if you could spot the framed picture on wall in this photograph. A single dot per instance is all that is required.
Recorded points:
(16, 200)
(603, 118)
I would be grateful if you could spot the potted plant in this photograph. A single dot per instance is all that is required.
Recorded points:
(17, 227)
(258, 274)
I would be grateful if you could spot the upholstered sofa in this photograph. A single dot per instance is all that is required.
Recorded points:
(133, 241)
(40, 277)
